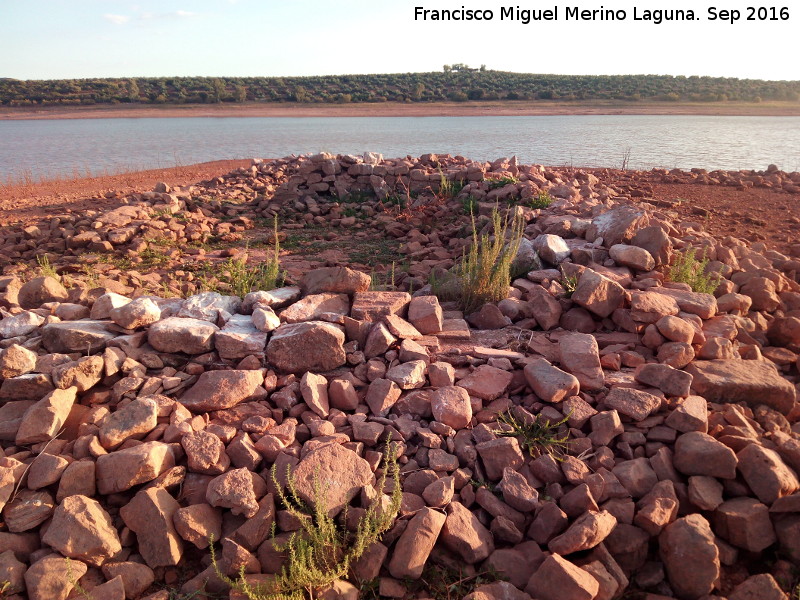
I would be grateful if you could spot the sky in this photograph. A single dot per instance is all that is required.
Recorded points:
(62, 39)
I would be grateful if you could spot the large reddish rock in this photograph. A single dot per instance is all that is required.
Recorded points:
(136, 577)
(340, 472)
(43, 421)
(465, 535)
(179, 334)
(150, 516)
(558, 579)
(425, 313)
(218, 390)
(412, 550)
(15, 361)
(486, 382)
(752, 381)
(580, 356)
(314, 306)
(197, 523)
(81, 529)
(598, 294)
(548, 382)
(617, 225)
(235, 490)
(123, 469)
(137, 418)
(766, 474)
(53, 577)
(311, 346)
(745, 523)
(499, 454)
(690, 556)
(336, 280)
(205, 453)
(698, 453)
(39, 290)
(585, 533)
(373, 306)
(669, 380)
(76, 336)
(137, 313)
(451, 405)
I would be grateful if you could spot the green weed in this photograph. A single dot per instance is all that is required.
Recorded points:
(501, 182)
(322, 551)
(687, 268)
(484, 273)
(541, 200)
(449, 188)
(445, 583)
(569, 283)
(538, 436)
(45, 268)
(469, 205)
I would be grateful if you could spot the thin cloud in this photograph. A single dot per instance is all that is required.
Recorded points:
(117, 19)
(180, 14)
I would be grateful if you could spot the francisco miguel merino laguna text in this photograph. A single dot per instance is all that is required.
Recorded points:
(571, 13)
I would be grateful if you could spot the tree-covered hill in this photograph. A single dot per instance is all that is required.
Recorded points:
(454, 83)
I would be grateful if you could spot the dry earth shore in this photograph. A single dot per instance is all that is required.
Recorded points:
(395, 109)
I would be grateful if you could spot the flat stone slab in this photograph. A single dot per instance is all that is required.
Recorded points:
(373, 306)
(751, 381)
(76, 336)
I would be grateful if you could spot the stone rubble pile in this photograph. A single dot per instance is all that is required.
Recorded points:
(349, 196)
(135, 427)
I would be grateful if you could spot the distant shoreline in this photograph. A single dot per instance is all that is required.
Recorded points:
(399, 109)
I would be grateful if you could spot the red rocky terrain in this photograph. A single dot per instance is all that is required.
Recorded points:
(144, 405)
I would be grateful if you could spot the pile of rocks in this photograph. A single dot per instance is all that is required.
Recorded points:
(134, 428)
(348, 197)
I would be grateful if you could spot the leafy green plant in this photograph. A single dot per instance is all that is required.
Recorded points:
(538, 435)
(323, 550)
(501, 182)
(541, 200)
(469, 205)
(569, 283)
(484, 273)
(687, 268)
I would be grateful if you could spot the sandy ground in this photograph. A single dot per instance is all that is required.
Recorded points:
(395, 109)
(28, 203)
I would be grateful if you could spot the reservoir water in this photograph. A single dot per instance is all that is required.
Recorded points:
(50, 148)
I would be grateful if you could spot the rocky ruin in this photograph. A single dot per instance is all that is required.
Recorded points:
(136, 426)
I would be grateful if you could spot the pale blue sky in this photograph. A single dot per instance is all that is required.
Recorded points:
(55, 39)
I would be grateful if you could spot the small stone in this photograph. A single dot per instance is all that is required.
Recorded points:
(40, 290)
(140, 312)
(464, 534)
(425, 313)
(557, 579)
(636, 404)
(15, 361)
(550, 383)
